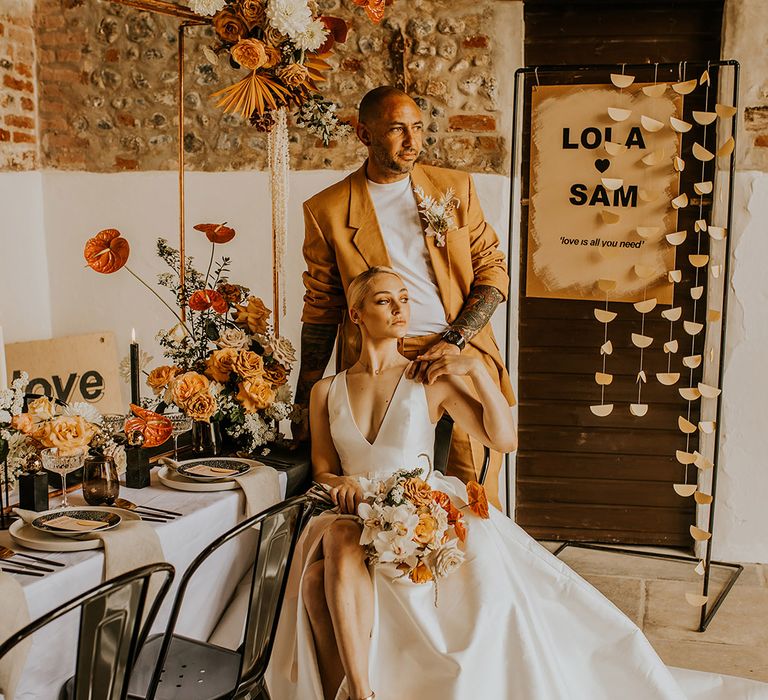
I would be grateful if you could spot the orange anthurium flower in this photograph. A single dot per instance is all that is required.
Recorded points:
(337, 32)
(204, 299)
(373, 8)
(478, 501)
(461, 530)
(107, 251)
(216, 233)
(155, 428)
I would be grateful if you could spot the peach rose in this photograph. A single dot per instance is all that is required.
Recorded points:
(425, 529)
(275, 374)
(417, 491)
(186, 385)
(42, 409)
(249, 53)
(478, 501)
(253, 315)
(201, 406)
(420, 573)
(254, 11)
(68, 433)
(255, 395)
(229, 26)
(249, 365)
(160, 377)
(220, 363)
(23, 422)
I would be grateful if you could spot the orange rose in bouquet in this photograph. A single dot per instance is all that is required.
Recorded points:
(220, 364)
(186, 385)
(70, 434)
(255, 395)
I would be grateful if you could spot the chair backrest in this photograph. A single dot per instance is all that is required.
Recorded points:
(111, 631)
(443, 436)
(278, 532)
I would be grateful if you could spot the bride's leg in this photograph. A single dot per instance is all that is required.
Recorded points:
(328, 661)
(349, 594)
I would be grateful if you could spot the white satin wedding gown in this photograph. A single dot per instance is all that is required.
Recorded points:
(513, 622)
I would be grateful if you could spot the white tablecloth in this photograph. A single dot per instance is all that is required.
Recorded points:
(205, 516)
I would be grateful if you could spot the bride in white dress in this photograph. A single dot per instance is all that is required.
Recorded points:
(512, 622)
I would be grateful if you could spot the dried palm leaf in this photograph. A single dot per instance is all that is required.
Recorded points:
(254, 93)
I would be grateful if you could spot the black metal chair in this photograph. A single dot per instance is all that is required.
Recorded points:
(443, 436)
(112, 628)
(174, 667)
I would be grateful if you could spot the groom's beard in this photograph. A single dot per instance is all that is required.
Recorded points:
(388, 162)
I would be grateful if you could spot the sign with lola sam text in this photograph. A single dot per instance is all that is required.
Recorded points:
(72, 368)
(602, 179)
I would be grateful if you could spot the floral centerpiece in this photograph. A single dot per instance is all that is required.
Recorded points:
(71, 428)
(226, 364)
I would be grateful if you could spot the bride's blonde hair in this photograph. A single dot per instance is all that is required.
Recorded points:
(359, 287)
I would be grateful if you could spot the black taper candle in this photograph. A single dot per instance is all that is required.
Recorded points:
(135, 373)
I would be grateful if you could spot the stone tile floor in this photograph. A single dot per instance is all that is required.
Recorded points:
(652, 593)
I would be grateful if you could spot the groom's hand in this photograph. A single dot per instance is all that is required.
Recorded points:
(420, 366)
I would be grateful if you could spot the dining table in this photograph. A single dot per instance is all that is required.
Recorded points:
(204, 516)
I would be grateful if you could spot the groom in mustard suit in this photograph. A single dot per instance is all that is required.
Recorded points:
(372, 218)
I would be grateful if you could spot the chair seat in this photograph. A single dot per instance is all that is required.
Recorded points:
(193, 671)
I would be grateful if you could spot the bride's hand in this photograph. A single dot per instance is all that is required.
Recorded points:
(457, 365)
(347, 495)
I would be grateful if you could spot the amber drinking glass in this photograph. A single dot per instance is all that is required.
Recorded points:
(101, 486)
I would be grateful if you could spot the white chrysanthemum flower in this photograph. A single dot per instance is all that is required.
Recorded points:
(86, 410)
(289, 17)
(313, 37)
(20, 382)
(206, 8)
(5, 416)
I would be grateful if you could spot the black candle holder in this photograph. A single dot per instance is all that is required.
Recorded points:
(137, 472)
(33, 490)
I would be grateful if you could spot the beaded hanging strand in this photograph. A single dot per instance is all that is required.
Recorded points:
(279, 166)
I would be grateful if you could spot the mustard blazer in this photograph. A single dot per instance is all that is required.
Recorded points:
(343, 238)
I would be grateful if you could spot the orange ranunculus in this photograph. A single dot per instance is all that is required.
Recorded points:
(251, 54)
(478, 501)
(107, 251)
(186, 385)
(417, 491)
(460, 528)
(218, 233)
(420, 573)
(155, 427)
(201, 407)
(160, 377)
(275, 374)
(253, 315)
(204, 299)
(425, 528)
(219, 364)
(255, 395)
(23, 423)
(249, 365)
(69, 433)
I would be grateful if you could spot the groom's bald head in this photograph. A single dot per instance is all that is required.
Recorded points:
(375, 101)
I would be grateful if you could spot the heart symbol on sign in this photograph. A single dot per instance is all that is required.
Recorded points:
(602, 164)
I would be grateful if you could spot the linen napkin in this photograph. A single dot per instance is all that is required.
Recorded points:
(261, 487)
(14, 614)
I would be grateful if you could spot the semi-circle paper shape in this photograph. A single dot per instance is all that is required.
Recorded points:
(675, 275)
(679, 125)
(684, 457)
(609, 217)
(698, 534)
(618, 114)
(709, 392)
(606, 348)
(648, 232)
(685, 87)
(622, 81)
(685, 425)
(701, 153)
(692, 361)
(692, 328)
(645, 307)
(702, 187)
(645, 271)
(678, 164)
(707, 426)
(612, 183)
(690, 393)
(697, 292)
(700, 225)
(651, 124)
(604, 316)
(668, 378)
(713, 315)
(603, 378)
(700, 567)
(613, 149)
(654, 157)
(670, 346)
(676, 238)
(696, 599)
(716, 232)
(724, 111)
(602, 410)
(638, 409)
(673, 314)
(680, 201)
(641, 341)
(698, 260)
(655, 90)
(704, 118)
(702, 462)
(684, 490)
(606, 285)
(703, 499)
(727, 148)
(641, 377)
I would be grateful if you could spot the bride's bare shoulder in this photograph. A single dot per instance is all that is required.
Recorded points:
(321, 388)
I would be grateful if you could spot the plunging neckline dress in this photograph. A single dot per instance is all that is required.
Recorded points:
(513, 622)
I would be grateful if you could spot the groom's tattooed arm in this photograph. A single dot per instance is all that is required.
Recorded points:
(317, 341)
(477, 311)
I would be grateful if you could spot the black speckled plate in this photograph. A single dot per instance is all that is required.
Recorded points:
(107, 519)
(238, 467)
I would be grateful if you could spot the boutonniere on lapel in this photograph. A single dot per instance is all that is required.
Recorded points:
(438, 213)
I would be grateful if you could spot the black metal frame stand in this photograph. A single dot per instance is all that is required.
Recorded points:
(709, 609)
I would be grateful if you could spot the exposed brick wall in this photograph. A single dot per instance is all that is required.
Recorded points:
(18, 113)
(107, 82)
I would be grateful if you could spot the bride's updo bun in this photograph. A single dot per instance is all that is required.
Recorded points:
(359, 287)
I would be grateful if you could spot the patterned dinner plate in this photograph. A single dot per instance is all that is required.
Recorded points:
(89, 520)
(214, 469)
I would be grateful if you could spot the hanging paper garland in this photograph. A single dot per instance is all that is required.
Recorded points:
(602, 378)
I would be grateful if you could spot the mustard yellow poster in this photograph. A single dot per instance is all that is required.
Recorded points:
(603, 174)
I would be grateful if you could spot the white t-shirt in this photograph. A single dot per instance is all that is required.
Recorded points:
(398, 216)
